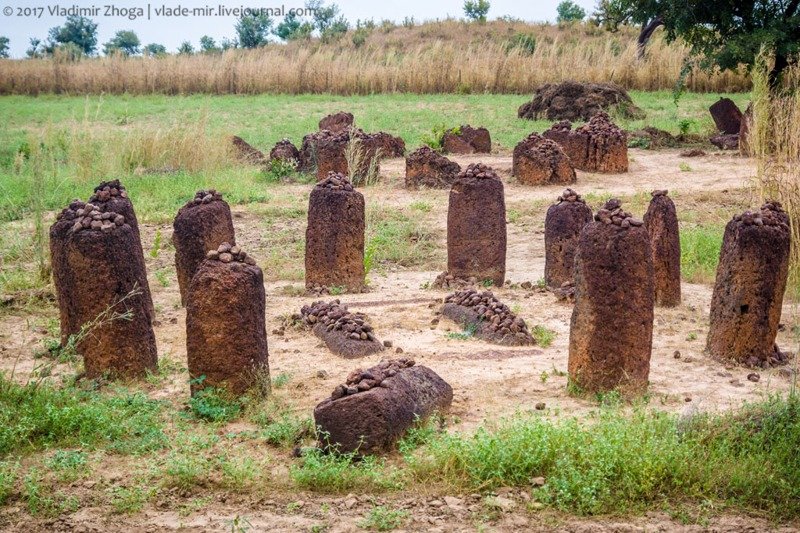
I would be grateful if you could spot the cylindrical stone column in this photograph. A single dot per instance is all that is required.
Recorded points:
(335, 235)
(611, 331)
(476, 226)
(226, 333)
(661, 221)
(748, 293)
(562, 225)
(201, 225)
(62, 278)
(101, 300)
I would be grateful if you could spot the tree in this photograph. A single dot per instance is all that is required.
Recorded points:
(293, 28)
(125, 42)
(227, 44)
(4, 46)
(155, 49)
(34, 51)
(80, 31)
(208, 45)
(253, 30)
(569, 11)
(186, 49)
(720, 32)
(476, 10)
(328, 21)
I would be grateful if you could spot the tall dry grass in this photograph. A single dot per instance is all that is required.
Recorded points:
(775, 142)
(439, 57)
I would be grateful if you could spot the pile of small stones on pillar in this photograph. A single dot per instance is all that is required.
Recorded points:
(748, 293)
(203, 224)
(476, 228)
(661, 221)
(597, 146)
(427, 168)
(102, 305)
(493, 320)
(226, 334)
(345, 333)
(562, 225)
(540, 161)
(611, 330)
(467, 140)
(335, 236)
(375, 407)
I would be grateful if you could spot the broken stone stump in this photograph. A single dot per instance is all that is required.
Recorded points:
(727, 116)
(97, 277)
(540, 161)
(491, 319)
(476, 226)
(335, 235)
(374, 408)
(611, 331)
(284, 150)
(325, 151)
(389, 145)
(226, 333)
(748, 293)
(201, 225)
(426, 168)
(336, 122)
(346, 334)
(112, 197)
(597, 146)
(247, 153)
(562, 225)
(467, 140)
(661, 221)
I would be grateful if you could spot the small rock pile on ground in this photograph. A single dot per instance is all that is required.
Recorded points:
(597, 146)
(247, 153)
(226, 253)
(476, 226)
(493, 321)
(661, 221)
(445, 280)
(363, 380)
(335, 236)
(562, 225)
(540, 161)
(284, 150)
(427, 168)
(335, 317)
(748, 293)
(336, 122)
(571, 100)
(467, 140)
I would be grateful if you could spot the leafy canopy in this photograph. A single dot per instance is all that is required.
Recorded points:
(125, 42)
(80, 31)
(569, 11)
(253, 30)
(476, 10)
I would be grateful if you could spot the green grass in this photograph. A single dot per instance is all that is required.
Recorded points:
(700, 246)
(333, 473)
(542, 335)
(381, 518)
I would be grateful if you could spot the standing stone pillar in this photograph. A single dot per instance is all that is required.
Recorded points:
(562, 226)
(661, 221)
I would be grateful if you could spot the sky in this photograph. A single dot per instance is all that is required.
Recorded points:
(32, 18)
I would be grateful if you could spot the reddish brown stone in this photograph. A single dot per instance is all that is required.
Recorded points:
(112, 197)
(597, 146)
(427, 168)
(246, 153)
(226, 334)
(325, 152)
(476, 226)
(341, 121)
(611, 331)
(745, 147)
(335, 235)
(284, 150)
(571, 100)
(201, 225)
(748, 293)
(97, 277)
(727, 116)
(493, 320)
(346, 334)
(540, 161)
(467, 140)
(661, 221)
(562, 225)
(372, 410)
(725, 141)
(389, 145)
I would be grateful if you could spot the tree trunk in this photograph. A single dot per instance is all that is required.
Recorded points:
(781, 62)
(647, 32)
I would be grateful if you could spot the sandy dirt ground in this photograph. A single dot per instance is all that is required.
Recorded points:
(488, 381)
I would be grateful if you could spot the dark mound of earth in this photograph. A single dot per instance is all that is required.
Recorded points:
(570, 100)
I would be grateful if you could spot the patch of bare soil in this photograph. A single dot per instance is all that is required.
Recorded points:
(488, 381)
